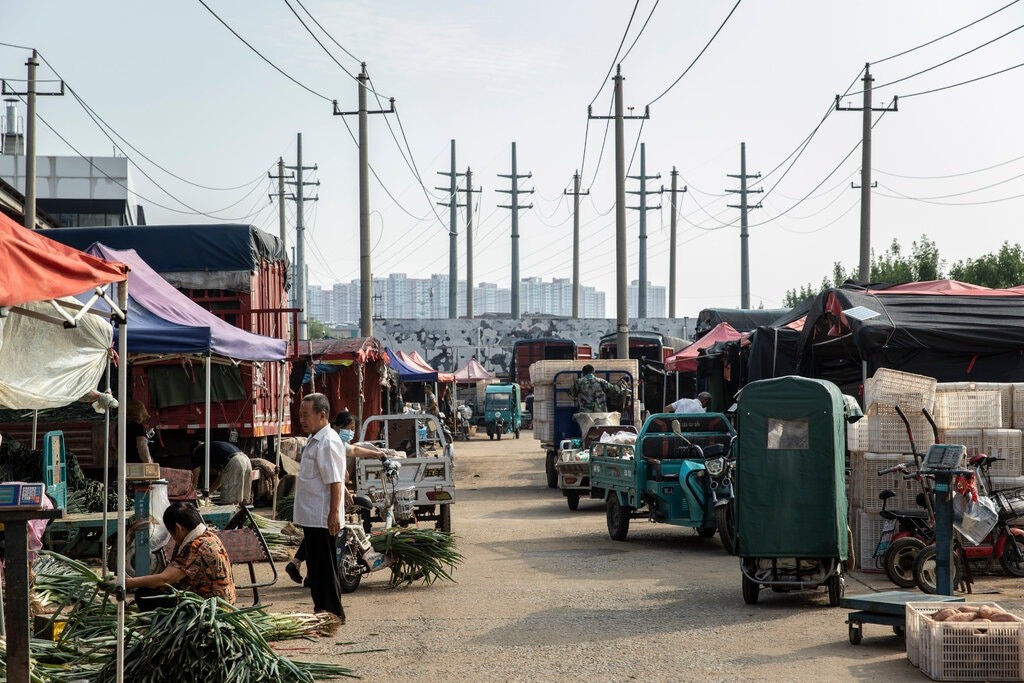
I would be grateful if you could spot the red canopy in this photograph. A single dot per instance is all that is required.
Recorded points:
(686, 360)
(36, 268)
(415, 360)
(948, 287)
(472, 372)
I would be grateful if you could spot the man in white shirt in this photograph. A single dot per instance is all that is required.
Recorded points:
(319, 502)
(690, 405)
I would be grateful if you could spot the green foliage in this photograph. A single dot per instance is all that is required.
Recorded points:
(316, 329)
(1002, 269)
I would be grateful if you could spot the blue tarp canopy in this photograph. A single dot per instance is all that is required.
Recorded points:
(165, 321)
(406, 372)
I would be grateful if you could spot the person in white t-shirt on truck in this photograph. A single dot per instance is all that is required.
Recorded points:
(690, 405)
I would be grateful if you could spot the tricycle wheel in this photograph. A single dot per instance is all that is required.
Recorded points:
(549, 469)
(836, 588)
(899, 631)
(490, 435)
(1012, 558)
(856, 633)
(618, 518)
(444, 518)
(517, 433)
(706, 531)
(349, 571)
(723, 519)
(751, 590)
(573, 499)
(899, 560)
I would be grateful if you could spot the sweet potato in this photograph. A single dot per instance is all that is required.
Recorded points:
(984, 612)
(944, 614)
(969, 608)
(962, 617)
(1002, 616)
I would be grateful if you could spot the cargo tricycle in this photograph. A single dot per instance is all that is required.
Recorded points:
(791, 509)
(502, 410)
(663, 477)
(573, 465)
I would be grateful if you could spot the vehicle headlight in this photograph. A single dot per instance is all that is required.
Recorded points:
(715, 466)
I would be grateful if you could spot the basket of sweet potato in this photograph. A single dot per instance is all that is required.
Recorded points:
(965, 641)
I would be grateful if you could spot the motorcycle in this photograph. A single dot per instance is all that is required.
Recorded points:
(905, 532)
(721, 468)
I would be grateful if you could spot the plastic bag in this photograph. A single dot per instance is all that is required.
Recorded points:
(974, 519)
(158, 503)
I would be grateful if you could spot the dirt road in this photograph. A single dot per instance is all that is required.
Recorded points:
(545, 595)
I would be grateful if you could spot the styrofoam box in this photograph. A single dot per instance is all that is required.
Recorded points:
(969, 410)
(892, 387)
(1005, 396)
(971, 439)
(869, 530)
(1003, 443)
(888, 434)
(867, 484)
(964, 651)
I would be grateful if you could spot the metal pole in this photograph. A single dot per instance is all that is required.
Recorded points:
(30, 153)
(469, 243)
(282, 378)
(106, 467)
(621, 299)
(300, 245)
(35, 427)
(672, 251)
(641, 292)
(576, 245)
(453, 235)
(744, 254)
(280, 203)
(365, 265)
(864, 272)
(122, 440)
(515, 237)
(206, 437)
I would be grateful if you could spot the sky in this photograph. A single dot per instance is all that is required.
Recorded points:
(186, 93)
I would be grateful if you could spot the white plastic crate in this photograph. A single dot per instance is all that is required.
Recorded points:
(968, 410)
(1002, 483)
(1017, 414)
(857, 435)
(543, 392)
(891, 387)
(867, 484)
(971, 439)
(964, 651)
(1005, 396)
(888, 434)
(543, 431)
(543, 411)
(869, 530)
(1004, 443)
(544, 371)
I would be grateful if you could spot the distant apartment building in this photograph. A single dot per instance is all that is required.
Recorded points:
(656, 296)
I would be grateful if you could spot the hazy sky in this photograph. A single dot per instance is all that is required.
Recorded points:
(178, 86)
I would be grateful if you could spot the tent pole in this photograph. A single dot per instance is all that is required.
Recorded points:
(35, 427)
(280, 431)
(359, 374)
(106, 470)
(122, 439)
(206, 437)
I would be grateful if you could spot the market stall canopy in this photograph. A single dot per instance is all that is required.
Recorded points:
(740, 319)
(412, 368)
(331, 355)
(472, 372)
(177, 325)
(686, 360)
(43, 364)
(418, 360)
(221, 256)
(943, 287)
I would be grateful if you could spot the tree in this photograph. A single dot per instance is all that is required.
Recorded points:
(795, 296)
(316, 329)
(1002, 269)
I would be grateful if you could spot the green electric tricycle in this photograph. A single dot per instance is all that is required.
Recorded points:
(791, 508)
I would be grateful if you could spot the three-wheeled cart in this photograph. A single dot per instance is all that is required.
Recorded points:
(573, 465)
(791, 507)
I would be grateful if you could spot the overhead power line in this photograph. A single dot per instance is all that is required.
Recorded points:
(957, 85)
(639, 33)
(953, 175)
(327, 33)
(947, 35)
(615, 59)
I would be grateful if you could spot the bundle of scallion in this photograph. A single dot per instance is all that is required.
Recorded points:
(416, 554)
(279, 534)
(285, 508)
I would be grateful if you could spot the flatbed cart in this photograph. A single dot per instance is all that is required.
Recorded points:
(885, 609)
(574, 471)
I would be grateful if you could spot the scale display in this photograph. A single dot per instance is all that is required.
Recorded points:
(29, 496)
(945, 456)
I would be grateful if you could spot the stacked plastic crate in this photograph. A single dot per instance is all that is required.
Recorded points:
(546, 375)
(879, 440)
(986, 417)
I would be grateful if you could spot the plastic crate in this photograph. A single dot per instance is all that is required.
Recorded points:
(968, 410)
(891, 387)
(971, 439)
(543, 392)
(1009, 503)
(867, 484)
(1017, 414)
(543, 410)
(1004, 443)
(1005, 396)
(857, 435)
(405, 501)
(888, 434)
(869, 530)
(955, 651)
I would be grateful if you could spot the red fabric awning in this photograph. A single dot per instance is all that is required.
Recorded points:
(35, 268)
(686, 360)
(947, 287)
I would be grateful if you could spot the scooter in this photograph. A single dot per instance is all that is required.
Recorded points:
(905, 533)
(721, 468)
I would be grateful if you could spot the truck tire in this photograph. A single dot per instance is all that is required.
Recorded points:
(444, 518)
(549, 469)
(618, 518)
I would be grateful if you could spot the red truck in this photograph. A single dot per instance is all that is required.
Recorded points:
(526, 352)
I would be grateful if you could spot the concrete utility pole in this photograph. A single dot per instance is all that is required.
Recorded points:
(672, 248)
(30, 94)
(743, 206)
(621, 299)
(516, 208)
(365, 270)
(864, 269)
(453, 236)
(469, 240)
(300, 198)
(280, 200)
(641, 294)
(576, 194)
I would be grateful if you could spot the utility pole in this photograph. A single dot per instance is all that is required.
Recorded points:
(280, 200)
(672, 248)
(576, 194)
(516, 208)
(641, 294)
(365, 271)
(30, 94)
(864, 270)
(300, 239)
(453, 236)
(469, 240)
(621, 299)
(743, 206)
